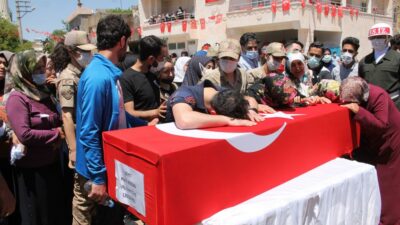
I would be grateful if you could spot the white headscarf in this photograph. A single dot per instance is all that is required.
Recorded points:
(179, 68)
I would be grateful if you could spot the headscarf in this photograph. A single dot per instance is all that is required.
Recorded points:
(194, 74)
(304, 84)
(327, 88)
(354, 90)
(22, 67)
(6, 86)
(179, 68)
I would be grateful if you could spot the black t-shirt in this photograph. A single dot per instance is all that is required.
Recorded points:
(140, 88)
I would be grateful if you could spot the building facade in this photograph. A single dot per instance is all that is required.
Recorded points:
(305, 21)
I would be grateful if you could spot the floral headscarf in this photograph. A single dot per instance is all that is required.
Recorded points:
(6, 83)
(327, 88)
(22, 68)
(354, 90)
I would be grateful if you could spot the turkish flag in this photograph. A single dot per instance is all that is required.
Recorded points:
(351, 12)
(203, 23)
(285, 5)
(193, 24)
(273, 6)
(162, 27)
(210, 1)
(333, 11)
(218, 19)
(340, 11)
(169, 26)
(139, 30)
(326, 9)
(303, 4)
(318, 6)
(184, 25)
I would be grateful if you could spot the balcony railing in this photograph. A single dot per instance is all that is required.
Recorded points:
(168, 18)
(238, 5)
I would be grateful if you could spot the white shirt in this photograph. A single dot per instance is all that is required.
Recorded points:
(379, 55)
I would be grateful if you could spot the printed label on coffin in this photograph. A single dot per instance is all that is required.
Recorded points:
(244, 142)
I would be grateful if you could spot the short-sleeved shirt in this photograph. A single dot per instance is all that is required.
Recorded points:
(142, 89)
(217, 77)
(191, 95)
(340, 72)
(67, 86)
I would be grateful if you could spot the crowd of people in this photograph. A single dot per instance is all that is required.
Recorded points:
(55, 107)
(179, 14)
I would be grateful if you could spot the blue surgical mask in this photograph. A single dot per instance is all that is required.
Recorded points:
(84, 59)
(314, 62)
(379, 44)
(347, 58)
(228, 66)
(327, 59)
(39, 79)
(252, 55)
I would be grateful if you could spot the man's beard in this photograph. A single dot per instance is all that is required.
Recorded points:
(166, 81)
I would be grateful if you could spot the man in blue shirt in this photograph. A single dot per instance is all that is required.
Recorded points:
(99, 108)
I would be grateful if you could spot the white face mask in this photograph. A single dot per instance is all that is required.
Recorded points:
(379, 44)
(347, 58)
(203, 69)
(228, 66)
(84, 59)
(273, 65)
(39, 79)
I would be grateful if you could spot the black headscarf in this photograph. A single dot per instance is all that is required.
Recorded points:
(193, 74)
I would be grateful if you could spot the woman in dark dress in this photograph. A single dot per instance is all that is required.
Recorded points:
(380, 139)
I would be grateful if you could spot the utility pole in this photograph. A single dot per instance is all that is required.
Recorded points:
(23, 7)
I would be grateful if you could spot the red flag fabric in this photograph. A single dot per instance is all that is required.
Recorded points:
(351, 12)
(356, 12)
(212, 17)
(203, 23)
(273, 6)
(184, 25)
(326, 9)
(333, 11)
(139, 30)
(169, 26)
(340, 11)
(218, 19)
(193, 24)
(162, 27)
(318, 6)
(303, 4)
(285, 5)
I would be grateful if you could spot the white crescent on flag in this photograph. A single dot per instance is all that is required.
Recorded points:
(245, 142)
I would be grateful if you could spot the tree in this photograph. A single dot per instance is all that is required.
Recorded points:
(50, 42)
(9, 37)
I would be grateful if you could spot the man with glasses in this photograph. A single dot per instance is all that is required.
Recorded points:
(317, 70)
(382, 66)
(349, 65)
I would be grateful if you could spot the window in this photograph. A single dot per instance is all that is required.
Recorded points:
(172, 46)
(181, 45)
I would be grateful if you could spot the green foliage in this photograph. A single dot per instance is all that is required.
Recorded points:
(9, 37)
(119, 11)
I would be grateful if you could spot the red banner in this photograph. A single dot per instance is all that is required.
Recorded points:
(202, 23)
(139, 30)
(193, 24)
(210, 1)
(218, 19)
(273, 6)
(169, 27)
(303, 3)
(184, 25)
(162, 27)
(351, 12)
(356, 12)
(326, 9)
(333, 11)
(285, 5)
(340, 11)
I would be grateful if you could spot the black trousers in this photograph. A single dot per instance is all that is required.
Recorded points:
(40, 195)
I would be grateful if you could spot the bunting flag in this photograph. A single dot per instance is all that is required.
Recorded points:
(212, 17)
(139, 30)
(318, 6)
(356, 12)
(184, 25)
(326, 9)
(218, 19)
(202, 23)
(303, 4)
(193, 24)
(333, 11)
(27, 30)
(285, 5)
(169, 27)
(273, 6)
(162, 27)
(340, 11)
(351, 12)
